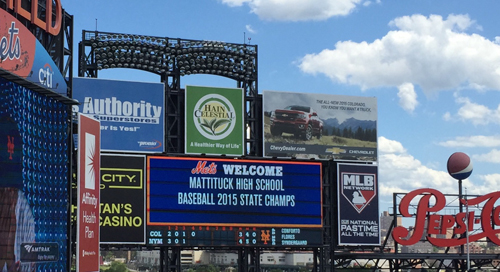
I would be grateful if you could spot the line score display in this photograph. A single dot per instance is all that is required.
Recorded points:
(233, 236)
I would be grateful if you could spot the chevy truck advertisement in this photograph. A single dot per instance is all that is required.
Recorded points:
(320, 126)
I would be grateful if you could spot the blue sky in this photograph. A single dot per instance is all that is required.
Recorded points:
(434, 67)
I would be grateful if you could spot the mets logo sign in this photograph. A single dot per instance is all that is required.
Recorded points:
(214, 116)
(359, 189)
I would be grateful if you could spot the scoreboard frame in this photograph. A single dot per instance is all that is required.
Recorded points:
(182, 209)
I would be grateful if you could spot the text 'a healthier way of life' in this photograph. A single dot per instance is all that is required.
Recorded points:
(266, 181)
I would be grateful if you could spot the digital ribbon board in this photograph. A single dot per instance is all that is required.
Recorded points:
(230, 202)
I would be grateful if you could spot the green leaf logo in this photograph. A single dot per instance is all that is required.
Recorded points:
(214, 116)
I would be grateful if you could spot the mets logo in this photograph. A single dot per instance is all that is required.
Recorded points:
(214, 116)
(358, 189)
(265, 236)
(10, 146)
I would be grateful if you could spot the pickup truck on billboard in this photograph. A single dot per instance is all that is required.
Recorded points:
(302, 121)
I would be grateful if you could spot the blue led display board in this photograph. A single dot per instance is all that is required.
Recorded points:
(229, 202)
(232, 192)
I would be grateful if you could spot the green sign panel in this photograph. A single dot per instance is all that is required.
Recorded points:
(214, 121)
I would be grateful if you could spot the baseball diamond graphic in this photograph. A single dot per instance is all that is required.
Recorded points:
(359, 189)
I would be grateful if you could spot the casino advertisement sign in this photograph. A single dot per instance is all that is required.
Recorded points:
(228, 192)
(122, 199)
(358, 207)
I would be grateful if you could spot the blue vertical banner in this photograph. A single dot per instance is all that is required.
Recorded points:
(358, 214)
(131, 113)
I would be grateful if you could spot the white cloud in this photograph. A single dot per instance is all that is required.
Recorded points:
(250, 29)
(447, 116)
(489, 182)
(235, 3)
(493, 157)
(473, 141)
(368, 3)
(389, 146)
(475, 113)
(297, 10)
(400, 172)
(407, 97)
(432, 52)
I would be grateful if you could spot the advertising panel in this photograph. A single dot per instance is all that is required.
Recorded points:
(193, 201)
(321, 126)
(131, 113)
(214, 121)
(87, 234)
(359, 222)
(447, 220)
(23, 55)
(33, 180)
(123, 199)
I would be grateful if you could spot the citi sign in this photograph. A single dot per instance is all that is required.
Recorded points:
(45, 75)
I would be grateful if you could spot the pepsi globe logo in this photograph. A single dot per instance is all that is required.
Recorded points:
(459, 166)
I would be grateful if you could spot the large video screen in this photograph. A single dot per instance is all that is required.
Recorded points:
(211, 202)
(33, 180)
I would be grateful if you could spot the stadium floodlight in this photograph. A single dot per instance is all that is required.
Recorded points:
(167, 57)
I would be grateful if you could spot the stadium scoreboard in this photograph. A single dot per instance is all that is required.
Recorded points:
(233, 236)
(228, 202)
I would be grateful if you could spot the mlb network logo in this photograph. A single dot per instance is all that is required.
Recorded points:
(359, 189)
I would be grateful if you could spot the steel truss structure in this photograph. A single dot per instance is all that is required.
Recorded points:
(171, 58)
